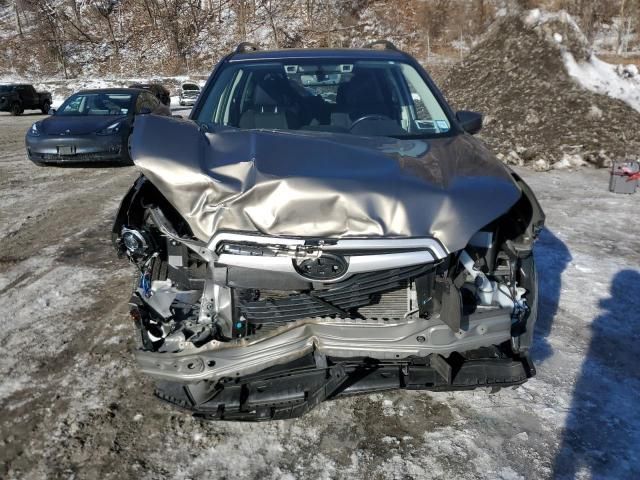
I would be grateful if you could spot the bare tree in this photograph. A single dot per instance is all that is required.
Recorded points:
(435, 14)
(52, 30)
(107, 8)
(17, 13)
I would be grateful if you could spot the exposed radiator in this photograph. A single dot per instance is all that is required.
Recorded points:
(392, 304)
(370, 295)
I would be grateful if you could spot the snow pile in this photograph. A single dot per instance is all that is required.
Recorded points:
(601, 77)
(549, 102)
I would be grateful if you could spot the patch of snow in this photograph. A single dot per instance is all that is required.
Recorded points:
(541, 165)
(594, 113)
(557, 37)
(533, 17)
(51, 292)
(569, 161)
(10, 385)
(601, 77)
(116, 339)
(627, 70)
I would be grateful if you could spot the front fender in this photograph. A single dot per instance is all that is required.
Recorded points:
(127, 213)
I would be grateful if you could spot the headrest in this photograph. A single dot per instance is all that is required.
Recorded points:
(361, 89)
(261, 97)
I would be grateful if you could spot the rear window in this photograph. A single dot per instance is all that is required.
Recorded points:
(371, 98)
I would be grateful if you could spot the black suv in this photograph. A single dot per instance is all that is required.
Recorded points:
(20, 97)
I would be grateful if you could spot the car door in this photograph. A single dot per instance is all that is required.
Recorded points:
(30, 97)
(22, 94)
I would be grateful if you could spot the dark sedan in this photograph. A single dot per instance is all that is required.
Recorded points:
(90, 126)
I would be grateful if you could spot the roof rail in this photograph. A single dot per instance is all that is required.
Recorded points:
(385, 44)
(245, 47)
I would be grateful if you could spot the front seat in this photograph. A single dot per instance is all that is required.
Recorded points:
(264, 113)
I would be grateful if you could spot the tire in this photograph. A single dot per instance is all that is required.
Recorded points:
(16, 109)
(126, 155)
(46, 106)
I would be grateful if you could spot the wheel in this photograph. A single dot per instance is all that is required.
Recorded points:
(16, 109)
(46, 106)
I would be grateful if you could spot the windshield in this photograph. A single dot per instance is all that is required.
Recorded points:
(96, 104)
(190, 86)
(6, 88)
(372, 98)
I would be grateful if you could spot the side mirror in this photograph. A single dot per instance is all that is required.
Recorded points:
(52, 111)
(144, 111)
(471, 122)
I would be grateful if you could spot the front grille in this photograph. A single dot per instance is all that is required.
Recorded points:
(369, 295)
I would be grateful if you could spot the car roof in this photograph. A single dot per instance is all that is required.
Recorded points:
(112, 90)
(337, 53)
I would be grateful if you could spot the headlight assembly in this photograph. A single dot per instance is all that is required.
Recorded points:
(111, 129)
(34, 131)
(134, 241)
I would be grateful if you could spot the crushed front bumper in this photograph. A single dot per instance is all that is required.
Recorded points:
(291, 390)
(344, 338)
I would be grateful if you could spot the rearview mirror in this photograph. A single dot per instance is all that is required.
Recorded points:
(471, 122)
(52, 111)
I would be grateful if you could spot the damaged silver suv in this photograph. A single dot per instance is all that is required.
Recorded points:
(324, 225)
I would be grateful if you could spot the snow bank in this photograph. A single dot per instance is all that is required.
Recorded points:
(602, 77)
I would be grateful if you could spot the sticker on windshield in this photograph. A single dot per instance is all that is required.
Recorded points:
(442, 125)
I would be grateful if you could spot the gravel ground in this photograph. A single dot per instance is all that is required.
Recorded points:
(72, 404)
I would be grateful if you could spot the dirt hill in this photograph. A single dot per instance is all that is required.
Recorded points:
(536, 114)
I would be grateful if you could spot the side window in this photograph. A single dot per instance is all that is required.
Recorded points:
(213, 110)
(75, 105)
(229, 99)
(152, 103)
(139, 103)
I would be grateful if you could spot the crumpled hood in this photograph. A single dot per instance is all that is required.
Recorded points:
(309, 184)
